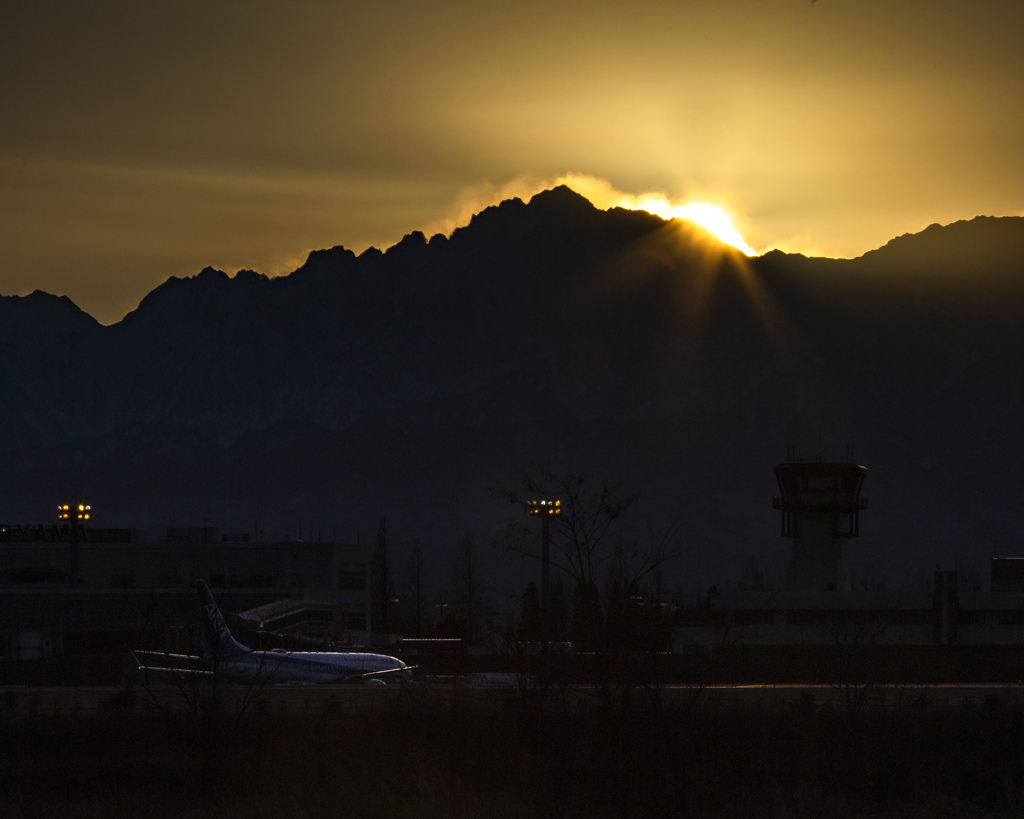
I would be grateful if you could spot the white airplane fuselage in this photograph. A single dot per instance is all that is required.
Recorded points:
(239, 662)
(226, 657)
(280, 666)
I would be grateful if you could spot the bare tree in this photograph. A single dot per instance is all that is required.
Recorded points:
(382, 577)
(529, 618)
(587, 537)
(558, 611)
(467, 587)
(414, 586)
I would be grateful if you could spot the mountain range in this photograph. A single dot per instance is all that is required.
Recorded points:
(416, 384)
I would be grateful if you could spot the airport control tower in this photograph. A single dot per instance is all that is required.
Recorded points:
(820, 504)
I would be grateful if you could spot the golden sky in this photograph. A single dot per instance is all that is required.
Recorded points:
(141, 140)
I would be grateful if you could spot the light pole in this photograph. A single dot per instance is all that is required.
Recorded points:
(545, 510)
(442, 609)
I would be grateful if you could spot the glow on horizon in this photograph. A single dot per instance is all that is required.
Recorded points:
(710, 217)
(713, 218)
(601, 194)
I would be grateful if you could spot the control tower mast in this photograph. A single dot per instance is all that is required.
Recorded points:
(820, 504)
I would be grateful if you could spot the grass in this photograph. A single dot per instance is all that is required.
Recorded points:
(438, 753)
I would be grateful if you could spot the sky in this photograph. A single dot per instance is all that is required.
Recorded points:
(145, 140)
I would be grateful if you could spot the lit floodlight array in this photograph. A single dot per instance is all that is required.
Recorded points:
(545, 507)
(79, 512)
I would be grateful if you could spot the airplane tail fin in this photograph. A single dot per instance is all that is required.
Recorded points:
(219, 641)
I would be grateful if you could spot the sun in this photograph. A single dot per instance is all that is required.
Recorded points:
(717, 221)
(712, 218)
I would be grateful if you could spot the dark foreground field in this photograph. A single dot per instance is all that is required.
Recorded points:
(449, 752)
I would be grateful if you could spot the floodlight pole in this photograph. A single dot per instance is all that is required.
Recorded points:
(545, 510)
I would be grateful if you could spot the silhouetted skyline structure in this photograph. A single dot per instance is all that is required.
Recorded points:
(416, 384)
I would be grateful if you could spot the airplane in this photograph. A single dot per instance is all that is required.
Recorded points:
(226, 656)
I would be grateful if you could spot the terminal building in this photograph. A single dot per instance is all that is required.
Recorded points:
(73, 591)
(820, 503)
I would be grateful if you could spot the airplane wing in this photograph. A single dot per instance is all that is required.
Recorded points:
(370, 675)
(173, 663)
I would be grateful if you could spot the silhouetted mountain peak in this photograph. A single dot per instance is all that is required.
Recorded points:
(597, 341)
(963, 246)
(562, 198)
(209, 290)
(42, 312)
(489, 217)
(211, 274)
(554, 222)
(330, 262)
(411, 244)
(776, 255)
